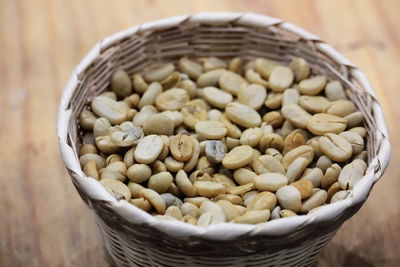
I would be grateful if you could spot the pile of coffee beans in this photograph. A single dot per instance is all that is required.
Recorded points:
(209, 140)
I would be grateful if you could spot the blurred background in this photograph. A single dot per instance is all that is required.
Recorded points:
(43, 222)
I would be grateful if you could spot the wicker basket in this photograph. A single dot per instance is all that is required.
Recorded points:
(134, 237)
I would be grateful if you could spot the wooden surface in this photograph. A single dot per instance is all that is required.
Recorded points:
(44, 223)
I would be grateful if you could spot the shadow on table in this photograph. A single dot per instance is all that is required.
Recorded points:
(335, 255)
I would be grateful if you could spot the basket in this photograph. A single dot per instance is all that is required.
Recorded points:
(136, 238)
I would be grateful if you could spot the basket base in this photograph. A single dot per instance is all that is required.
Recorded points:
(121, 252)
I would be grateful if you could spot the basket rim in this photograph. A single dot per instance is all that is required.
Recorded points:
(224, 231)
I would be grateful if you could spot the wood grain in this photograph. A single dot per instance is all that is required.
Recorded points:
(43, 222)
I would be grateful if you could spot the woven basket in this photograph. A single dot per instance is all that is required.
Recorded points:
(134, 237)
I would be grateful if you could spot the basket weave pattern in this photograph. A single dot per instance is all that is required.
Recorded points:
(133, 237)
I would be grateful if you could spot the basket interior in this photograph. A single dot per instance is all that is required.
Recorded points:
(151, 48)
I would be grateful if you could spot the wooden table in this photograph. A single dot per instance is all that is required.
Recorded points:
(43, 222)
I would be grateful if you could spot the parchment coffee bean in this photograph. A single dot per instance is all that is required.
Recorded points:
(160, 73)
(139, 84)
(154, 198)
(341, 108)
(253, 217)
(289, 197)
(296, 168)
(150, 95)
(172, 99)
(334, 91)
(212, 63)
(290, 96)
(231, 82)
(354, 119)
(335, 147)
(355, 140)
(121, 83)
(139, 173)
(255, 78)
(318, 198)
(87, 119)
(274, 100)
(251, 137)
(217, 97)
(181, 147)
(351, 174)
(115, 112)
(215, 151)
(265, 67)
(312, 86)
(262, 201)
(301, 151)
(243, 115)
(148, 149)
(300, 68)
(305, 188)
(314, 104)
(281, 78)
(270, 181)
(159, 124)
(210, 78)
(252, 95)
(323, 123)
(267, 163)
(118, 189)
(235, 65)
(211, 129)
(238, 157)
(190, 67)
(296, 115)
